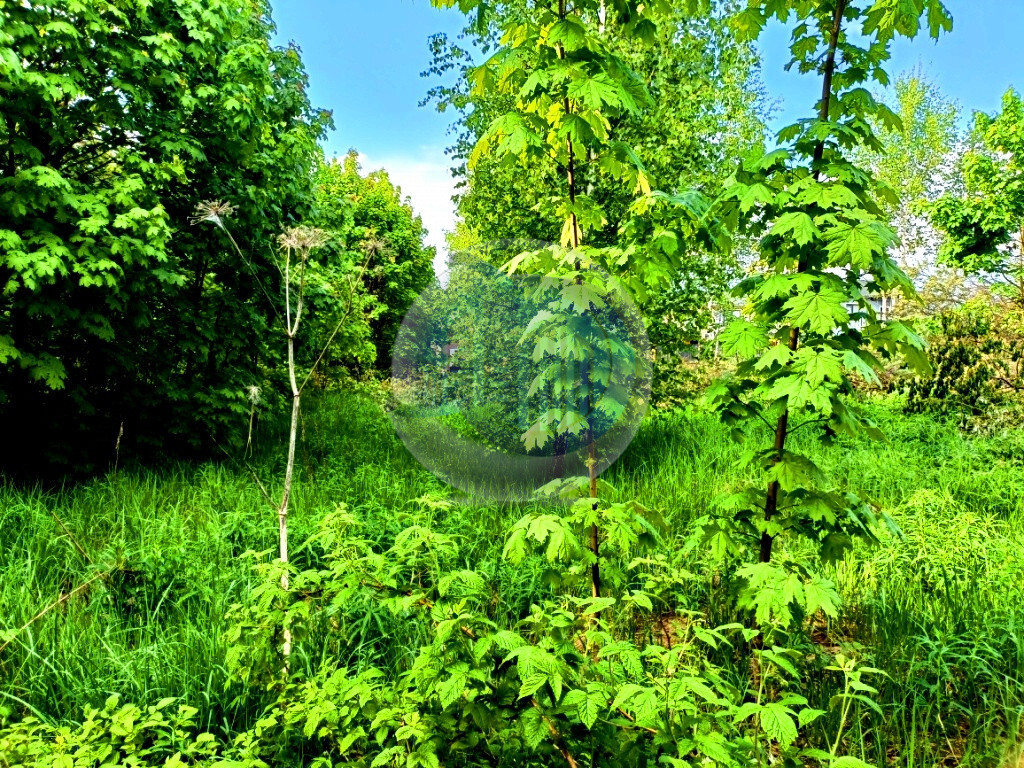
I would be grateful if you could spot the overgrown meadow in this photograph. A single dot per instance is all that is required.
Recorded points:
(170, 554)
(227, 362)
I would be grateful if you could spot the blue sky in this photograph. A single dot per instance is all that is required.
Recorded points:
(364, 58)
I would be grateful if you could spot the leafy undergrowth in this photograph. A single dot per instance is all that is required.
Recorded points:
(422, 639)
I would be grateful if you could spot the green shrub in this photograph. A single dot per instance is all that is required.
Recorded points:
(977, 354)
(164, 734)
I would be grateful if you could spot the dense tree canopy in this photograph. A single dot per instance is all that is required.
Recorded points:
(118, 317)
(985, 226)
(119, 118)
(370, 214)
(705, 108)
(702, 108)
(919, 158)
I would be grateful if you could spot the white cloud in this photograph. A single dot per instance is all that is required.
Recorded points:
(424, 177)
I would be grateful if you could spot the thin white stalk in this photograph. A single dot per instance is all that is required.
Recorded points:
(291, 329)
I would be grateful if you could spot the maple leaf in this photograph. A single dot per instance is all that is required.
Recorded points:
(754, 195)
(818, 365)
(858, 244)
(569, 33)
(777, 355)
(821, 312)
(743, 338)
(856, 362)
(595, 92)
(797, 224)
(536, 436)
(580, 298)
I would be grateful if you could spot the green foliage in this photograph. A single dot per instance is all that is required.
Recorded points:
(627, 531)
(679, 381)
(164, 734)
(375, 226)
(699, 105)
(703, 86)
(986, 225)
(915, 155)
(560, 83)
(920, 159)
(119, 118)
(598, 360)
(464, 346)
(808, 324)
(565, 682)
(936, 609)
(585, 628)
(978, 359)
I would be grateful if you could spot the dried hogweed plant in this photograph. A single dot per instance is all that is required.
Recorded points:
(296, 245)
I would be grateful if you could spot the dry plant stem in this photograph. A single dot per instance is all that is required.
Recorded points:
(292, 328)
(282, 511)
(557, 737)
(248, 440)
(74, 541)
(51, 606)
(294, 244)
(117, 448)
(771, 505)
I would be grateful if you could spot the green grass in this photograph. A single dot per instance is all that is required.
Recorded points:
(940, 610)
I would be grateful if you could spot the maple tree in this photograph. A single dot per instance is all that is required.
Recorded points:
(809, 325)
(563, 82)
(117, 315)
(985, 226)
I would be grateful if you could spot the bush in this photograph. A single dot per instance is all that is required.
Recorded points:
(117, 734)
(977, 353)
(119, 318)
(678, 381)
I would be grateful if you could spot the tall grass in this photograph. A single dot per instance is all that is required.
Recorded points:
(938, 609)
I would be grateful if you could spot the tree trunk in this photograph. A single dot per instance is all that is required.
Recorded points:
(595, 537)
